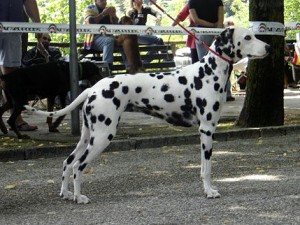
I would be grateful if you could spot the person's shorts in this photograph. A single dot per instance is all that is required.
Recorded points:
(10, 49)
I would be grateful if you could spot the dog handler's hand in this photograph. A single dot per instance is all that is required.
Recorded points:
(38, 35)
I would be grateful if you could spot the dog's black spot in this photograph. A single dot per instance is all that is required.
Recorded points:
(88, 109)
(157, 108)
(207, 154)
(159, 77)
(239, 43)
(74, 176)
(216, 78)
(145, 101)
(177, 120)
(221, 90)
(238, 53)
(101, 117)
(70, 159)
(117, 102)
(216, 106)
(208, 116)
(201, 72)
(125, 90)
(208, 133)
(198, 83)
(92, 98)
(81, 167)
(152, 74)
(207, 69)
(201, 103)
(62, 179)
(107, 121)
(182, 80)
(187, 93)
(93, 119)
(86, 124)
(216, 86)
(92, 140)
(108, 93)
(138, 90)
(64, 168)
(203, 146)
(110, 137)
(114, 85)
(169, 98)
(212, 62)
(164, 88)
(83, 157)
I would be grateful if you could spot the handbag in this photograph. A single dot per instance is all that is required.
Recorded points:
(296, 59)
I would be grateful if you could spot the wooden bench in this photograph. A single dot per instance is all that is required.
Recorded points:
(162, 60)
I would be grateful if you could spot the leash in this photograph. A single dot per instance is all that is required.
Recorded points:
(193, 35)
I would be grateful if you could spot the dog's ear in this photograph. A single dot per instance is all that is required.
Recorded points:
(224, 42)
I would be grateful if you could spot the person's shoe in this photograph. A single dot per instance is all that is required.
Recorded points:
(26, 127)
(230, 99)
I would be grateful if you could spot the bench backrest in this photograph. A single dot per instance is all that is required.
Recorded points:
(162, 58)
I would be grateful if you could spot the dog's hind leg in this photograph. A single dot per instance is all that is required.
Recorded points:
(69, 162)
(206, 137)
(98, 142)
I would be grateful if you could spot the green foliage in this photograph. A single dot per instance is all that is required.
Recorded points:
(291, 14)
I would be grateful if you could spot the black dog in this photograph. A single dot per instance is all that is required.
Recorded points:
(44, 80)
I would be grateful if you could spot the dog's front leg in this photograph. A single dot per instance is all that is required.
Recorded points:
(206, 153)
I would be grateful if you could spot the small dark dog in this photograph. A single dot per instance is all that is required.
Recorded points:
(131, 48)
(44, 80)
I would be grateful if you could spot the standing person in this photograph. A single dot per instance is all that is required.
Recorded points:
(190, 42)
(208, 14)
(11, 43)
(139, 15)
(42, 52)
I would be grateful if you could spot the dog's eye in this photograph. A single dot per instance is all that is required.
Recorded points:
(248, 38)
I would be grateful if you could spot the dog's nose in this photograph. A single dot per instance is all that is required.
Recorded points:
(268, 48)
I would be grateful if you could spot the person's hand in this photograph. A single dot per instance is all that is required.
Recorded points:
(137, 6)
(158, 19)
(38, 35)
(111, 11)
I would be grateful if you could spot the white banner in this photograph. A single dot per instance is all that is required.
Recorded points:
(11, 27)
(292, 25)
(267, 28)
(257, 27)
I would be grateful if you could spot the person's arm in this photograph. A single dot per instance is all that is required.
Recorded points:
(32, 10)
(108, 11)
(155, 13)
(220, 23)
(201, 22)
(182, 15)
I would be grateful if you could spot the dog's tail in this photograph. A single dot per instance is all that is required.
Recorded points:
(80, 98)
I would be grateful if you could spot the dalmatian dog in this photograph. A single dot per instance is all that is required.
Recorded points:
(193, 95)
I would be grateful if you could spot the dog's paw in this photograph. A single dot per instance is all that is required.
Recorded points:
(212, 193)
(67, 195)
(81, 199)
(53, 130)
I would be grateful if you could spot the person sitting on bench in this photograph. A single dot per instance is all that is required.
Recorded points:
(41, 53)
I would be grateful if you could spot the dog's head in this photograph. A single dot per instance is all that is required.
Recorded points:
(89, 71)
(125, 20)
(238, 43)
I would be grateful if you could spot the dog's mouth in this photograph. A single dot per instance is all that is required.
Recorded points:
(268, 51)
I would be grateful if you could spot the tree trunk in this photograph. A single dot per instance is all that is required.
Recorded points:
(263, 104)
